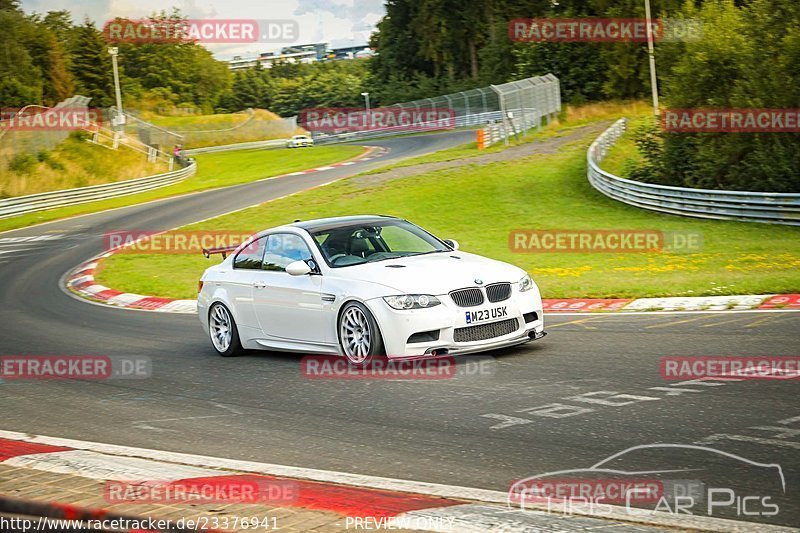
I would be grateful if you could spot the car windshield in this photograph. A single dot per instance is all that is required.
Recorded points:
(358, 244)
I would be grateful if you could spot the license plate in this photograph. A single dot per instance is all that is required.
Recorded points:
(483, 315)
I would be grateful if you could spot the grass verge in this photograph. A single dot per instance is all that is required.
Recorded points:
(479, 205)
(73, 163)
(214, 170)
(625, 156)
(571, 118)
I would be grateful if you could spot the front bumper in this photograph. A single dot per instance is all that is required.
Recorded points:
(398, 327)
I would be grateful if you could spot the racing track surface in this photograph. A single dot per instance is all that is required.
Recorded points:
(478, 431)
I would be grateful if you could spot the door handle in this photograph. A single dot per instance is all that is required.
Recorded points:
(259, 285)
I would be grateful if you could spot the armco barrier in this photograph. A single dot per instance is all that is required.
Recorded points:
(766, 207)
(50, 200)
(274, 143)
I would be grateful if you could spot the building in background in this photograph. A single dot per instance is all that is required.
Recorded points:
(302, 53)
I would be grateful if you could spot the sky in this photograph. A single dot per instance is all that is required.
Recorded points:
(337, 22)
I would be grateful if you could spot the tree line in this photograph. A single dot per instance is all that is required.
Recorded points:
(748, 56)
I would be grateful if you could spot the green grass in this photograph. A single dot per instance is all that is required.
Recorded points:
(624, 156)
(571, 119)
(480, 205)
(74, 162)
(214, 170)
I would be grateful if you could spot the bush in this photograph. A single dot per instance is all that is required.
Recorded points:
(22, 163)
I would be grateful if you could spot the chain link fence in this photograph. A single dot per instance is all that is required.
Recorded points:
(257, 125)
(517, 105)
(14, 141)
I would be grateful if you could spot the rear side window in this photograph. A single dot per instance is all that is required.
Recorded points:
(251, 256)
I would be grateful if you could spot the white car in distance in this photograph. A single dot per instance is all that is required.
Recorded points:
(300, 141)
(361, 286)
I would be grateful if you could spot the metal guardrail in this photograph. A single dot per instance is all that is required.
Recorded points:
(749, 206)
(49, 200)
(273, 143)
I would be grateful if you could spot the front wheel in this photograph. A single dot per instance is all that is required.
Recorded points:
(359, 336)
(223, 331)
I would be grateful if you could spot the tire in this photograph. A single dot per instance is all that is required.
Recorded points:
(223, 331)
(358, 334)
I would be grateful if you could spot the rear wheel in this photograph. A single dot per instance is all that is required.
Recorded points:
(359, 336)
(223, 332)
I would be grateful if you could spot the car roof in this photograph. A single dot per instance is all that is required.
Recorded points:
(324, 224)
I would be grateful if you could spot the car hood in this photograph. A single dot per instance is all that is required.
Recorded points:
(437, 273)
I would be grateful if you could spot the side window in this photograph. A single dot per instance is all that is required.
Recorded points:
(250, 257)
(284, 248)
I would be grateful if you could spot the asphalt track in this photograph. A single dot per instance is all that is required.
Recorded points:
(484, 430)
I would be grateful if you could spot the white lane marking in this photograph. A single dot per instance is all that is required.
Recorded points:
(14, 245)
(34, 238)
(319, 169)
(399, 485)
(747, 438)
(107, 467)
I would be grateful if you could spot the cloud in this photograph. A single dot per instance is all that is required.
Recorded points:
(338, 22)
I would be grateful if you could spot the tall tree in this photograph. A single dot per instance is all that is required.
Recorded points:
(91, 65)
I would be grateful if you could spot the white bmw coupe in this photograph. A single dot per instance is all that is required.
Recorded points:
(361, 286)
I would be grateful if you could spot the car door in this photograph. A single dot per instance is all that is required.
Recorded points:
(291, 307)
(239, 282)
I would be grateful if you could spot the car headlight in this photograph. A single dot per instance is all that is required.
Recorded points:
(411, 301)
(526, 283)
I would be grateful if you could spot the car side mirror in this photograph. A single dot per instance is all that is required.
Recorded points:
(452, 243)
(298, 268)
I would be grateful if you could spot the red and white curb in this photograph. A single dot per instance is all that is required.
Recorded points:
(81, 281)
(373, 152)
(678, 303)
(388, 503)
